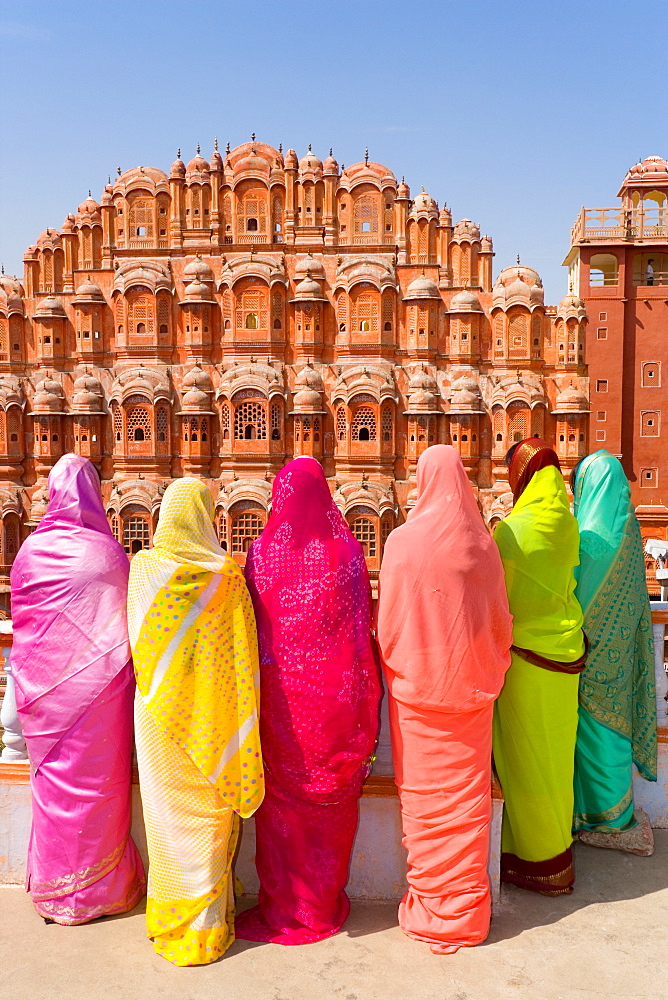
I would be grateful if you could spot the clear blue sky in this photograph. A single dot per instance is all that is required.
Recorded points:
(515, 113)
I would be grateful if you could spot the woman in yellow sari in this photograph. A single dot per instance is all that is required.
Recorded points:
(536, 715)
(194, 646)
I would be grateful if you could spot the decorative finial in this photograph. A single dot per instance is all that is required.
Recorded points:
(518, 258)
(178, 153)
(309, 147)
(422, 188)
(118, 171)
(253, 136)
(89, 194)
(331, 150)
(198, 149)
(227, 148)
(108, 178)
(280, 148)
(366, 155)
(3, 268)
(215, 143)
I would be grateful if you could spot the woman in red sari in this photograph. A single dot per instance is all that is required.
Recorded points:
(319, 702)
(444, 632)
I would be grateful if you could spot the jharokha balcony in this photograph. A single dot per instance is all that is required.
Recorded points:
(601, 225)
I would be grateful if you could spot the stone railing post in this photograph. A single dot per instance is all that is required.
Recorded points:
(14, 745)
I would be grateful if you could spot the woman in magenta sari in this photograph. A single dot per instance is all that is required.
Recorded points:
(74, 693)
(319, 698)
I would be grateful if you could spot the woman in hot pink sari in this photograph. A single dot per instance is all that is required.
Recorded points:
(74, 693)
(319, 698)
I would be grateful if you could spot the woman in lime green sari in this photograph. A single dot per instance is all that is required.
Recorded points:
(536, 714)
(617, 715)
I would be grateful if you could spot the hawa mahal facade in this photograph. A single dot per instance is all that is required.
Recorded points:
(221, 319)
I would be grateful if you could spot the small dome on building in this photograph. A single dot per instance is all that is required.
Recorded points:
(197, 291)
(571, 307)
(465, 302)
(307, 398)
(422, 380)
(486, 245)
(572, 400)
(466, 228)
(308, 288)
(653, 169)
(330, 166)
(537, 294)
(424, 207)
(403, 191)
(48, 397)
(89, 207)
(465, 395)
(197, 165)
(50, 308)
(311, 266)
(68, 223)
(197, 378)
(87, 394)
(178, 167)
(198, 269)
(88, 291)
(291, 162)
(194, 401)
(445, 216)
(422, 287)
(310, 164)
(310, 378)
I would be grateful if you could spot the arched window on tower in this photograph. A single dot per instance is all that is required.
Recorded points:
(341, 425)
(247, 518)
(137, 528)
(141, 219)
(250, 417)
(363, 522)
(518, 333)
(365, 220)
(518, 424)
(141, 315)
(363, 424)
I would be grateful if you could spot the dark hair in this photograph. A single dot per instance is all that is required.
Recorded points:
(573, 475)
(511, 452)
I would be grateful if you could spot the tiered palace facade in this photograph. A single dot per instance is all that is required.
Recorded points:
(219, 320)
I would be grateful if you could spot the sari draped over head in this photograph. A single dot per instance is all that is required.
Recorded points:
(617, 724)
(444, 632)
(320, 696)
(536, 714)
(74, 688)
(194, 645)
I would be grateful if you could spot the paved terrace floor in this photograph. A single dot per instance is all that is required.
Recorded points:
(608, 940)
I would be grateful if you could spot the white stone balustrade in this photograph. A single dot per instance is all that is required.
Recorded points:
(14, 745)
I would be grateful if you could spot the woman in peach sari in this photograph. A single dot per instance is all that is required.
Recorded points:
(444, 632)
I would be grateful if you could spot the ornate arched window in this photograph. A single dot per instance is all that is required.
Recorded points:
(114, 524)
(252, 217)
(341, 423)
(250, 417)
(141, 219)
(276, 421)
(141, 315)
(220, 524)
(387, 424)
(225, 421)
(518, 333)
(365, 308)
(364, 424)
(247, 523)
(363, 524)
(518, 424)
(137, 528)
(138, 423)
(386, 526)
(365, 220)
(10, 530)
(252, 308)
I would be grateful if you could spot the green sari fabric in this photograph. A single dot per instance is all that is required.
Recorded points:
(617, 724)
(536, 713)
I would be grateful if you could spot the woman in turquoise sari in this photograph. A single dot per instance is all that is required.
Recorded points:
(617, 712)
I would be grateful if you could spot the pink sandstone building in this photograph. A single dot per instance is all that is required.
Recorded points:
(619, 267)
(223, 318)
